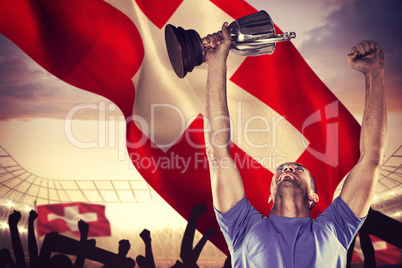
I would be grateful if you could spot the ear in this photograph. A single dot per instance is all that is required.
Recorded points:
(270, 199)
(313, 197)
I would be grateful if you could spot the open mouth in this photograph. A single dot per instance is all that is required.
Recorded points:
(288, 177)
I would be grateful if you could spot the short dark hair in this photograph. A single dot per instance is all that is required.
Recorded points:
(313, 183)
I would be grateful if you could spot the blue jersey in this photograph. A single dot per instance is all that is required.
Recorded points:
(257, 241)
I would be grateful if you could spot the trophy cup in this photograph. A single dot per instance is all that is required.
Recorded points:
(252, 35)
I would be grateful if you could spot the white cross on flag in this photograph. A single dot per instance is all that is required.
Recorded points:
(64, 217)
(280, 110)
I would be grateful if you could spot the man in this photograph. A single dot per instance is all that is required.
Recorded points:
(289, 237)
(124, 248)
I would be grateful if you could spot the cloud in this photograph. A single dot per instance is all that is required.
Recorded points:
(28, 91)
(361, 20)
(327, 46)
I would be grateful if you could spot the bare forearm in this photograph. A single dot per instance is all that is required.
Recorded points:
(227, 185)
(373, 141)
(374, 127)
(217, 115)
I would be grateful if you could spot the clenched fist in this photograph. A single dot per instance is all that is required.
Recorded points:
(366, 57)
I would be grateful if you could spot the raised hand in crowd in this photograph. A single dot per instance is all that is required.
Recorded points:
(32, 245)
(83, 227)
(13, 220)
(189, 255)
(146, 236)
(148, 260)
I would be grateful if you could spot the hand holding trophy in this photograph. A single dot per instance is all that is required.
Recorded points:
(252, 35)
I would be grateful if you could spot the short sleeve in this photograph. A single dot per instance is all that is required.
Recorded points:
(236, 222)
(341, 220)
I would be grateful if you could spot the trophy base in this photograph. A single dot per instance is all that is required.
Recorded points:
(185, 49)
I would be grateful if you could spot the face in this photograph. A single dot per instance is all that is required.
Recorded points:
(291, 176)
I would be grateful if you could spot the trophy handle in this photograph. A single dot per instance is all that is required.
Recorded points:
(273, 38)
(254, 35)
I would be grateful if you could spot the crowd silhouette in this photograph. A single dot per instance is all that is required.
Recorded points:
(376, 224)
(56, 248)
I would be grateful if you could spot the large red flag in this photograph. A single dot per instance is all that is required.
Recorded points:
(281, 110)
(64, 217)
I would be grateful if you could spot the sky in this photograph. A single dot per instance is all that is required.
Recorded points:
(34, 104)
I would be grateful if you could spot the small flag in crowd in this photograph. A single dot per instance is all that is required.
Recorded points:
(64, 217)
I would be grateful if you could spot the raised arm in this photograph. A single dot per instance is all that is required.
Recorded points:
(227, 185)
(32, 245)
(360, 185)
(84, 229)
(149, 256)
(13, 220)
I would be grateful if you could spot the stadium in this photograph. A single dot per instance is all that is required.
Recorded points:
(23, 191)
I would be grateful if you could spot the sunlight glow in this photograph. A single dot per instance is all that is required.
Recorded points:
(147, 215)
(10, 204)
(3, 225)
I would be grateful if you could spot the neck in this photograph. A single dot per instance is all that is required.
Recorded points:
(291, 206)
